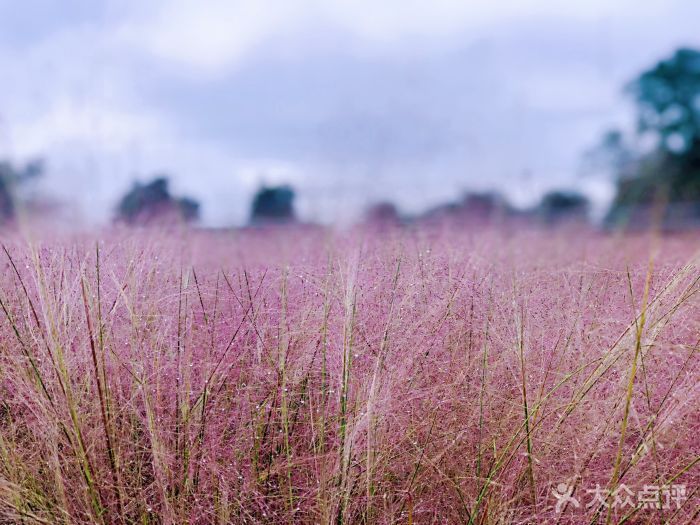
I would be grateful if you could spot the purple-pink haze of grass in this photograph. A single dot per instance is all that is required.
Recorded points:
(402, 376)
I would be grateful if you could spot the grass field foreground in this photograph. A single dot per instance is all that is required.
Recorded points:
(408, 376)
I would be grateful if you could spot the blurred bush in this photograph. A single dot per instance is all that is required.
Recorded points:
(152, 202)
(273, 204)
(12, 177)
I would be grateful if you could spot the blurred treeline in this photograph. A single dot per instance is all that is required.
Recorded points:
(656, 170)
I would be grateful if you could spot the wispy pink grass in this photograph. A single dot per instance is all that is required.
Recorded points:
(420, 376)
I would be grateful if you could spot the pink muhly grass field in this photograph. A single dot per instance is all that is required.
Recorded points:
(408, 376)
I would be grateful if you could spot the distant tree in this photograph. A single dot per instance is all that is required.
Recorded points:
(11, 177)
(273, 204)
(189, 208)
(484, 205)
(668, 100)
(612, 152)
(668, 106)
(558, 206)
(383, 213)
(152, 202)
(474, 208)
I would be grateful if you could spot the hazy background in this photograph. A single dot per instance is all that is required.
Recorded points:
(351, 102)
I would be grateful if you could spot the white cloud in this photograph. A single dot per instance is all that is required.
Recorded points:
(209, 35)
(68, 122)
(215, 35)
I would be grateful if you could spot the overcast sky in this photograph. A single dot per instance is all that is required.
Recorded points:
(351, 101)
